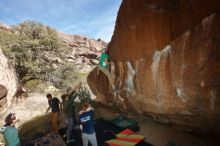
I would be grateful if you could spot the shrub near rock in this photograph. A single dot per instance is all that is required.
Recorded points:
(84, 96)
(37, 52)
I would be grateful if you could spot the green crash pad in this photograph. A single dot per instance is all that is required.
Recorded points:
(123, 122)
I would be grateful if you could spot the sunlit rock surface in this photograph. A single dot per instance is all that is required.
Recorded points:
(166, 58)
(5, 27)
(85, 51)
(8, 82)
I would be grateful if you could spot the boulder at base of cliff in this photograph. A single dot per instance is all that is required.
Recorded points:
(8, 82)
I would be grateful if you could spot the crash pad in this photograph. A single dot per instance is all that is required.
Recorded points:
(126, 138)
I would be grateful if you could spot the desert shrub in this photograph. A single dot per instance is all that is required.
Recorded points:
(39, 86)
(84, 96)
(29, 47)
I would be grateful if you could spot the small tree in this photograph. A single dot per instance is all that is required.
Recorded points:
(84, 96)
(29, 47)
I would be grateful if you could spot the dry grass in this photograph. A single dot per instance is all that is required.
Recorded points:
(40, 124)
(2, 141)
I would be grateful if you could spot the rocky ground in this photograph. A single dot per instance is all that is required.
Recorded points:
(156, 133)
(33, 110)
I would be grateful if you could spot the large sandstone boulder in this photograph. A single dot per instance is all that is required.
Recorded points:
(8, 82)
(166, 60)
(3, 92)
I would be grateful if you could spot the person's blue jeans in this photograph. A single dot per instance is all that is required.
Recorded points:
(70, 124)
(89, 138)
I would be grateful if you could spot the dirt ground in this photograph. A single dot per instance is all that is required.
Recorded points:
(156, 133)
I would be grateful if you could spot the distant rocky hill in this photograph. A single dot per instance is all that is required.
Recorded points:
(85, 51)
(5, 27)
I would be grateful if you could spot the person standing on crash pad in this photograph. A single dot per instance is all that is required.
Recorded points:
(86, 116)
(69, 110)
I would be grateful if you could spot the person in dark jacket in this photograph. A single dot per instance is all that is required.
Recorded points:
(69, 110)
(54, 105)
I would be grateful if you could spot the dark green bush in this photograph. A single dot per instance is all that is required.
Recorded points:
(84, 96)
(28, 47)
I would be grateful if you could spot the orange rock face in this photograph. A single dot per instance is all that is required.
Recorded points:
(166, 56)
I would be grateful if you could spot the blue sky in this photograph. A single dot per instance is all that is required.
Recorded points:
(92, 18)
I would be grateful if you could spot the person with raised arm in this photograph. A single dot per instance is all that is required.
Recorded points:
(69, 109)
